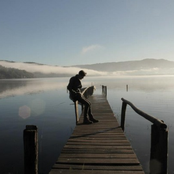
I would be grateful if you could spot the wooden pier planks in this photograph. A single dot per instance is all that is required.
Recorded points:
(98, 148)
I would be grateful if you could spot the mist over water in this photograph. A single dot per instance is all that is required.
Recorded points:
(113, 69)
(45, 103)
(46, 69)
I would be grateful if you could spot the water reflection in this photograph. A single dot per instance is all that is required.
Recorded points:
(24, 112)
(32, 86)
(36, 107)
(142, 83)
(10, 88)
(45, 103)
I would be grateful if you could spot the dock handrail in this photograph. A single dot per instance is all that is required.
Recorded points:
(154, 120)
(159, 139)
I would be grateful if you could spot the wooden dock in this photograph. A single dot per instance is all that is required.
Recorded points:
(99, 148)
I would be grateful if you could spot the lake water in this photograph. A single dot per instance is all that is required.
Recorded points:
(45, 103)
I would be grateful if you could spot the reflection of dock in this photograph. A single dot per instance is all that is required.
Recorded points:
(98, 148)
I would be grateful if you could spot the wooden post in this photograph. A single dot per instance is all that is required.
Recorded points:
(123, 113)
(30, 138)
(159, 150)
(104, 90)
(127, 88)
(76, 111)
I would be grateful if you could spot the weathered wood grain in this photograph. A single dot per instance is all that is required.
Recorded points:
(98, 148)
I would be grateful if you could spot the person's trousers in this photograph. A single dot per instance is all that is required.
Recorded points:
(87, 105)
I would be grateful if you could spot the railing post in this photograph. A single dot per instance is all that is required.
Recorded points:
(159, 150)
(127, 87)
(76, 111)
(30, 137)
(104, 90)
(123, 113)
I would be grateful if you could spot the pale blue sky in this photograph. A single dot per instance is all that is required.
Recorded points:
(71, 32)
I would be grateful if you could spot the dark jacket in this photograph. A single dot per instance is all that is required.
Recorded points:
(74, 87)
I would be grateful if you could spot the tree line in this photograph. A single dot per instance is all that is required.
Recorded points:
(11, 73)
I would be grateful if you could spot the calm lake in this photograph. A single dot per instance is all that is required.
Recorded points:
(46, 104)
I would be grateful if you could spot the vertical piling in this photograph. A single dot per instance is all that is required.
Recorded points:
(76, 111)
(104, 90)
(30, 138)
(127, 87)
(159, 150)
(123, 114)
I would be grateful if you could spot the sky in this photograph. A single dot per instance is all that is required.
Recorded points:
(76, 32)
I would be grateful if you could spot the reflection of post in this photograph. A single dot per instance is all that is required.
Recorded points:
(159, 150)
(30, 150)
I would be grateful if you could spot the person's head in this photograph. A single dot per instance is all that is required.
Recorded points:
(82, 74)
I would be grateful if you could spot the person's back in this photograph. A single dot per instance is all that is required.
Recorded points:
(74, 87)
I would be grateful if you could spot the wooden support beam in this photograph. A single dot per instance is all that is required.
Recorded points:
(159, 150)
(76, 111)
(30, 138)
(104, 90)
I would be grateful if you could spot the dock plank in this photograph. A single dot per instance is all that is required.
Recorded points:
(98, 148)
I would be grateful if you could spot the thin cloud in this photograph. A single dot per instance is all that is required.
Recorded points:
(90, 48)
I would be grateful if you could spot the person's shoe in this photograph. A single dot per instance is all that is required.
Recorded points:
(86, 121)
(94, 120)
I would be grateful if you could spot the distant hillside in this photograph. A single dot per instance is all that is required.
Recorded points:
(11, 69)
(130, 65)
(42, 70)
(11, 73)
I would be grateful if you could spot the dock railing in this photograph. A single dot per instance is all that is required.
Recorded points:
(159, 139)
(104, 90)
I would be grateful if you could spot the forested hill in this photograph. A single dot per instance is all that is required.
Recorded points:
(11, 73)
